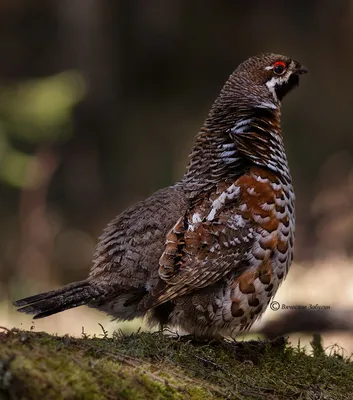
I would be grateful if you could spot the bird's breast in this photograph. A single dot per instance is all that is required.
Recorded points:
(266, 203)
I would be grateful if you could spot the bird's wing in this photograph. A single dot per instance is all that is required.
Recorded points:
(217, 236)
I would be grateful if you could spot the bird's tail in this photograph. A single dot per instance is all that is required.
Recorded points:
(69, 296)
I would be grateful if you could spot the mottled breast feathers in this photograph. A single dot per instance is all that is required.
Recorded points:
(244, 226)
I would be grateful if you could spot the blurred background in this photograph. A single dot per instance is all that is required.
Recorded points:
(99, 105)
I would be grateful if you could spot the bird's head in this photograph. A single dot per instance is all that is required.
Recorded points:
(268, 74)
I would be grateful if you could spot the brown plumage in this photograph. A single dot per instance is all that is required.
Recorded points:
(208, 253)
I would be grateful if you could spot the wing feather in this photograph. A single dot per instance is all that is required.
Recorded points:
(204, 245)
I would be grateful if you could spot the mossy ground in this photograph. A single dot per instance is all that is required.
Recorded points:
(157, 366)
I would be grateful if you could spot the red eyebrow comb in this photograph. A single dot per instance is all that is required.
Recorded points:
(283, 64)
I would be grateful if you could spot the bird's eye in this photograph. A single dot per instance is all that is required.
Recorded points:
(279, 67)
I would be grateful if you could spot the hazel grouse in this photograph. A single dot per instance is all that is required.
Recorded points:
(208, 253)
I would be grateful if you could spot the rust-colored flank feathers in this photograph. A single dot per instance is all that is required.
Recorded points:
(208, 253)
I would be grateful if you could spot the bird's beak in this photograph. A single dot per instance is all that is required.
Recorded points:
(300, 69)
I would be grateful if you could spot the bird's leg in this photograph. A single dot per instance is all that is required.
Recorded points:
(250, 350)
(201, 340)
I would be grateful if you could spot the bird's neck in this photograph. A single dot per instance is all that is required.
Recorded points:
(232, 140)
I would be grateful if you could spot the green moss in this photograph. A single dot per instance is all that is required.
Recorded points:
(157, 366)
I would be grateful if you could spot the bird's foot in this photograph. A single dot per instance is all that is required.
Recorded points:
(199, 340)
(250, 350)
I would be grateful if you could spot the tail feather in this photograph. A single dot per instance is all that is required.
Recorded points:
(73, 295)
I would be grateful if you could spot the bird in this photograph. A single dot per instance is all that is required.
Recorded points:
(207, 254)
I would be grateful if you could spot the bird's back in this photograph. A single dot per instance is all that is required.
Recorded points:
(129, 249)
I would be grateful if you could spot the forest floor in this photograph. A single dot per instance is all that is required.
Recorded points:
(36, 365)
